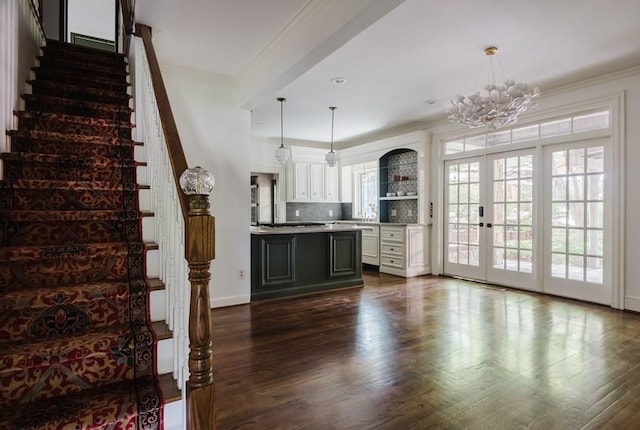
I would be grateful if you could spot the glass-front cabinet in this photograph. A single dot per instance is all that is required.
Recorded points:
(398, 177)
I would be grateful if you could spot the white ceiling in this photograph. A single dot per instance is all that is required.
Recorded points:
(394, 54)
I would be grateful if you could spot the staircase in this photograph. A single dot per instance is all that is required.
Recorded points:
(78, 349)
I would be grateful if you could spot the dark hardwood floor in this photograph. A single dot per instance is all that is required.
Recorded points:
(425, 353)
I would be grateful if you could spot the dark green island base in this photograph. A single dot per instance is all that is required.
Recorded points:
(290, 260)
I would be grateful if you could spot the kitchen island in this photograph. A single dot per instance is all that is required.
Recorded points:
(290, 259)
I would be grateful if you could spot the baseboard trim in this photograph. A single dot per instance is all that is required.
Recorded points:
(230, 301)
(632, 304)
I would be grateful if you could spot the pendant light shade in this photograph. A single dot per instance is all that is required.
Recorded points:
(331, 156)
(498, 105)
(282, 154)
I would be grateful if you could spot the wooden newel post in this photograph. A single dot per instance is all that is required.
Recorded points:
(199, 251)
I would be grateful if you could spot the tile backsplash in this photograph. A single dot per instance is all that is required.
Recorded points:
(314, 211)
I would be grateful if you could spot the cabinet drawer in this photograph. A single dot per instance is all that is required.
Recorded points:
(392, 261)
(392, 234)
(391, 249)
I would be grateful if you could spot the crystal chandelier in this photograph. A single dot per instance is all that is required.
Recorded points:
(281, 153)
(331, 156)
(497, 105)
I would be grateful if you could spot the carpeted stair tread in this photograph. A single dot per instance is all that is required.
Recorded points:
(55, 311)
(37, 184)
(71, 215)
(112, 407)
(68, 160)
(68, 77)
(79, 92)
(82, 68)
(34, 101)
(72, 119)
(28, 165)
(72, 137)
(17, 254)
(56, 232)
(39, 143)
(94, 57)
(68, 364)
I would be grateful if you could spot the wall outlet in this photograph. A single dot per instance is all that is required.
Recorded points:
(393, 212)
(241, 274)
(330, 212)
(297, 212)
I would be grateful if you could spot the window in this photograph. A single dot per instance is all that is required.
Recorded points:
(365, 190)
(574, 124)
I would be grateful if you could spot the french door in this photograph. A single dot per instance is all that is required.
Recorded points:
(579, 216)
(491, 204)
(490, 208)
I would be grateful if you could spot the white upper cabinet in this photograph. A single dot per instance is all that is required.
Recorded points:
(333, 184)
(310, 179)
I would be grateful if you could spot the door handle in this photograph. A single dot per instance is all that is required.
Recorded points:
(489, 225)
(481, 224)
(481, 211)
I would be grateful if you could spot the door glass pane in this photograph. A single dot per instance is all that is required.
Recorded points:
(576, 160)
(559, 163)
(463, 213)
(578, 248)
(512, 217)
(595, 187)
(576, 187)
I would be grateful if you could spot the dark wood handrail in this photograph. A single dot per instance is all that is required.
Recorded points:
(174, 145)
(199, 251)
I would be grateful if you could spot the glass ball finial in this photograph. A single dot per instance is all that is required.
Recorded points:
(197, 180)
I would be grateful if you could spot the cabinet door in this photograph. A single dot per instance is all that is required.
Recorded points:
(301, 181)
(332, 184)
(316, 181)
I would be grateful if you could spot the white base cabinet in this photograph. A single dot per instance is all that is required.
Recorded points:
(371, 244)
(403, 250)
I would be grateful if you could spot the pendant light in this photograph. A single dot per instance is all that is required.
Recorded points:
(498, 105)
(331, 156)
(281, 153)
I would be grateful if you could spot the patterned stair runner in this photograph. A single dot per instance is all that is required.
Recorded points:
(76, 346)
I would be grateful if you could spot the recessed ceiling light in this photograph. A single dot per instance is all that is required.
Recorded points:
(338, 81)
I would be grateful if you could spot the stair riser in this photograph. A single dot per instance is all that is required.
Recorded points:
(45, 233)
(77, 128)
(95, 95)
(122, 115)
(52, 121)
(59, 199)
(76, 271)
(62, 311)
(84, 56)
(43, 146)
(82, 68)
(60, 102)
(64, 171)
(66, 77)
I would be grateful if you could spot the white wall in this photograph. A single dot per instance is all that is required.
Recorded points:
(215, 135)
(95, 18)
